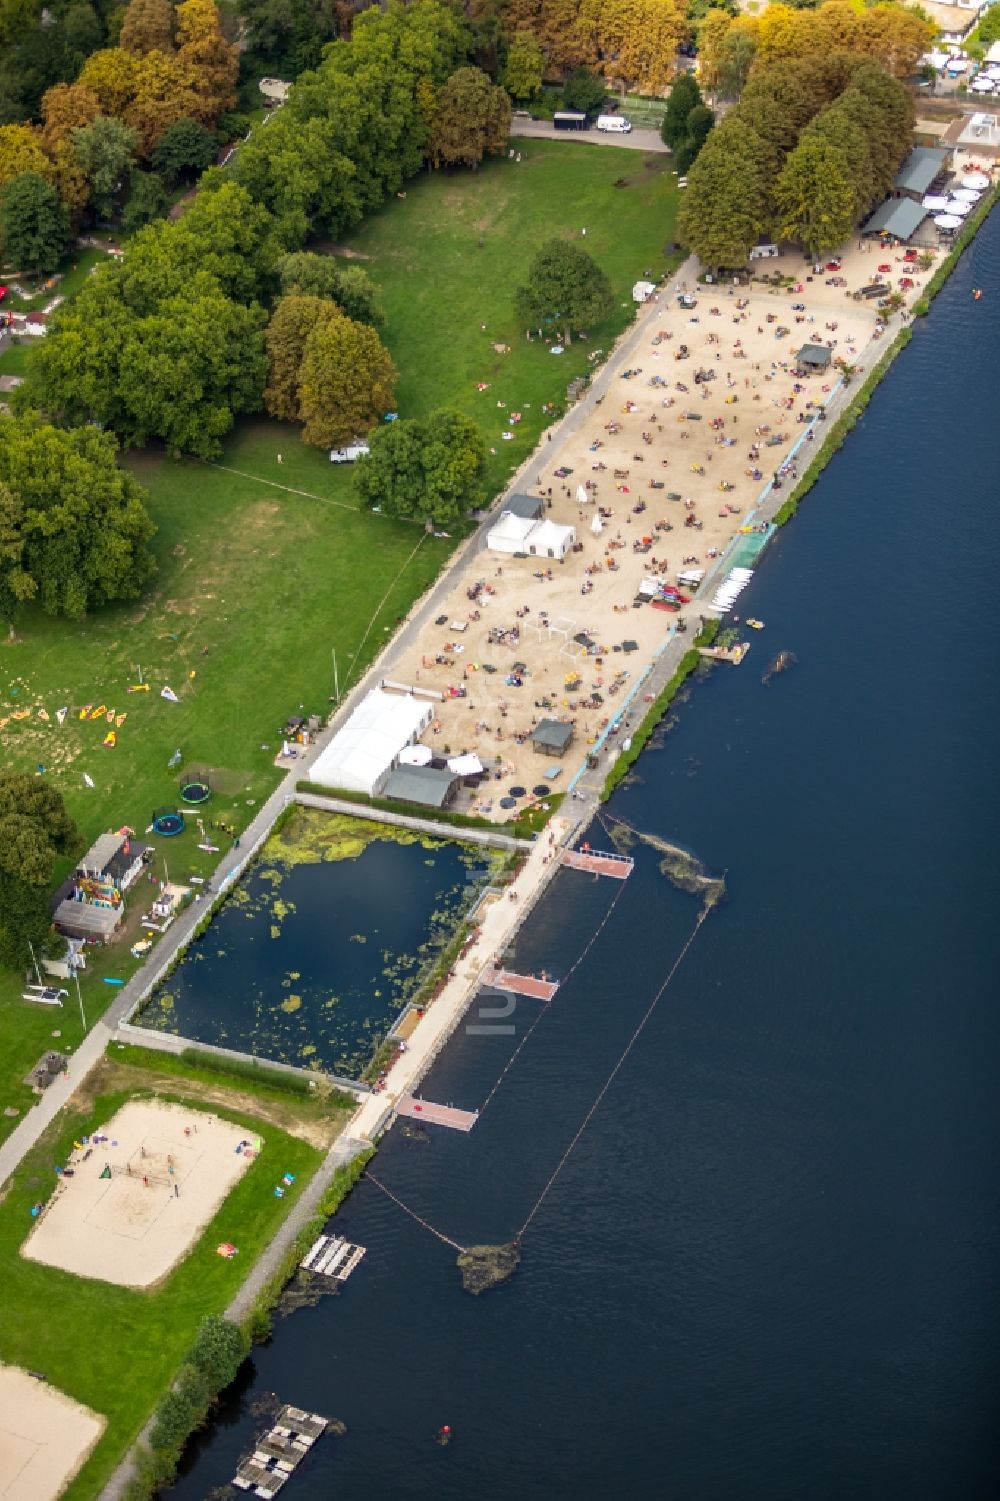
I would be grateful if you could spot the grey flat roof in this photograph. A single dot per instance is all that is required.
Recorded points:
(814, 354)
(896, 216)
(102, 852)
(426, 785)
(530, 506)
(920, 169)
(85, 918)
(554, 734)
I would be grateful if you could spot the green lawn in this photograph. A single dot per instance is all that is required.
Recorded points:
(14, 360)
(74, 272)
(113, 1348)
(258, 585)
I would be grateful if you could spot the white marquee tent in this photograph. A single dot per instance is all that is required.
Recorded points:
(536, 539)
(366, 749)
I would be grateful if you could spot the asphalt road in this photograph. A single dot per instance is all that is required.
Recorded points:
(543, 130)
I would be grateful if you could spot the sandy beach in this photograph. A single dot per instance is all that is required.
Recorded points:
(142, 1189)
(673, 459)
(44, 1437)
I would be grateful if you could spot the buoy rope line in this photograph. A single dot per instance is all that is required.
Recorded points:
(414, 1216)
(614, 1073)
(546, 1004)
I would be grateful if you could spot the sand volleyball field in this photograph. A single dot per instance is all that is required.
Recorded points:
(141, 1190)
(44, 1437)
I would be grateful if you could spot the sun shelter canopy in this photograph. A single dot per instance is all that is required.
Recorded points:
(552, 736)
(936, 203)
(416, 755)
(364, 751)
(814, 356)
(427, 785)
(468, 765)
(947, 221)
(510, 533)
(537, 539)
(898, 217)
(977, 180)
(923, 164)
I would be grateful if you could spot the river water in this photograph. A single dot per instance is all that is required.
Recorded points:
(768, 1270)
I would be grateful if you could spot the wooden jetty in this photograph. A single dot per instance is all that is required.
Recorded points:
(733, 654)
(507, 979)
(598, 863)
(437, 1115)
(279, 1452)
(332, 1256)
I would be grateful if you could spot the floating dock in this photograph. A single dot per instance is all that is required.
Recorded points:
(279, 1452)
(507, 979)
(436, 1115)
(332, 1256)
(598, 863)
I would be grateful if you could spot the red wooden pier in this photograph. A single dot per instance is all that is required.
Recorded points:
(436, 1115)
(506, 979)
(599, 863)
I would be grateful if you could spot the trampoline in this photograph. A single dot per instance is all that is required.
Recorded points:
(167, 822)
(195, 787)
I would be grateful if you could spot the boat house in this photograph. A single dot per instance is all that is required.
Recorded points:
(896, 219)
(427, 786)
(922, 168)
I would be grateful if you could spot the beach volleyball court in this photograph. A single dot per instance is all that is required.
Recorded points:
(138, 1192)
(44, 1437)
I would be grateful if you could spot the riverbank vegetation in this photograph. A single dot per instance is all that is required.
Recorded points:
(117, 1349)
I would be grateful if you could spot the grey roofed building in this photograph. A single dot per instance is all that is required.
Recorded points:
(921, 167)
(528, 506)
(552, 736)
(898, 217)
(86, 920)
(814, 356)
(429, 786)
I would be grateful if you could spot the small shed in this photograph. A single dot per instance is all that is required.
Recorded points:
(552, 737)
(427, 786)
(527, 506)
(642, 291)
(814, 357)
(80, 919)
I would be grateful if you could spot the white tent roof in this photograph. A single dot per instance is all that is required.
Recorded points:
(947, 221)
(937, 203)
(416, 755)
(582, 495)
(362, 753)
(552, 534)
(977, 180)
(468, 765)
(511, 528)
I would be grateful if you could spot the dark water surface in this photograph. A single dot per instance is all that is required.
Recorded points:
(769, 1270)
(311, 963)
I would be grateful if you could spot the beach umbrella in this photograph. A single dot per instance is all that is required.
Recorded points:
(597, 525)
(956, 206)
(966, 195)
(936, 203)
(977, 180)
(582, 495)
(416, 755)
(947, 221)
(468, 765)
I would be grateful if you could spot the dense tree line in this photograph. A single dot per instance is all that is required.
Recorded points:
(170, 344)
(811, 147)
(35, 830)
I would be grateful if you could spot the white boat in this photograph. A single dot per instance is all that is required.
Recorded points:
(44, 995)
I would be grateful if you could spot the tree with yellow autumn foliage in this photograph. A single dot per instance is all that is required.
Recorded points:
(636, 41)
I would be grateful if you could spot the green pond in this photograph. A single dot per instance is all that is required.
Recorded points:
(323, 942)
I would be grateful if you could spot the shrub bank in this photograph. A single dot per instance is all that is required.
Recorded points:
(528, 822)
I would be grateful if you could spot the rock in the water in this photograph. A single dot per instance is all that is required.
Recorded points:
(483, 1267)
(780, 663)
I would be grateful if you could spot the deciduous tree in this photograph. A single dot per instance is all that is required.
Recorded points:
(34, 226)
(147, 26)
(700, 123)
(724, 209)
(636, 40)
(350, 287)
(184, 150)
(21, 151)
(34, 830)
(111, 75)
(814, 197)
(583, 90)
(147, 200)
(291, 323)
(430, 470)
(525, 65)
(684, 95)
(472, 121)
(566, 289)
(105, 149)
(348, 382)
(66, 107)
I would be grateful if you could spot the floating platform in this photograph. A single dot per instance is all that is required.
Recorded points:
(332, 1256)
(437, 1115)
(598, 863)
(529, 985)
(280, 1451)
(733, 654)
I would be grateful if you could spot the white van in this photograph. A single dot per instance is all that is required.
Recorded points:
(616, 124)
(350, 454)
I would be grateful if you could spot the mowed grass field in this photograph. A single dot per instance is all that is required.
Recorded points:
(267, 568)
(115, 1348)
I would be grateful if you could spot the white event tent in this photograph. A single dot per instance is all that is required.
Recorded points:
(366, 749)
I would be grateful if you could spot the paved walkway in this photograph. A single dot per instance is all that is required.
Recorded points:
(636, 140)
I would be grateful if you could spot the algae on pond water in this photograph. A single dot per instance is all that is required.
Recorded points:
(323, 942)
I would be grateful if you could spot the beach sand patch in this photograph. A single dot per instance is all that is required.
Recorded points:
(44, 1437)
(139, 1197)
